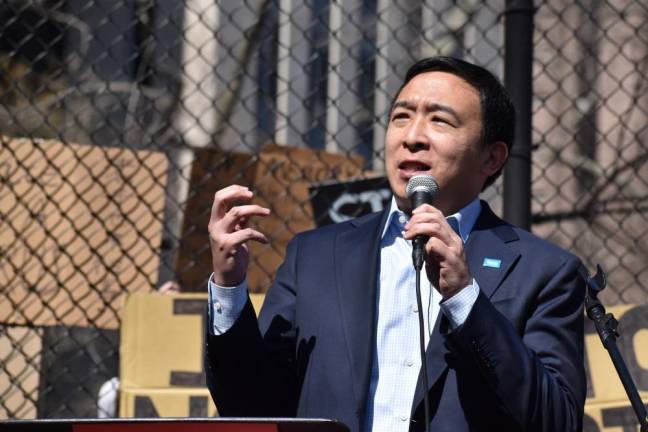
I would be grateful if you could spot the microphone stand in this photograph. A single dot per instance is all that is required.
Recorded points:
(606, 327)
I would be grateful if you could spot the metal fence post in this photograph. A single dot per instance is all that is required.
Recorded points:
(517, 77)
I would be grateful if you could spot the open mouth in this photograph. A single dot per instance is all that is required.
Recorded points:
(412, 168)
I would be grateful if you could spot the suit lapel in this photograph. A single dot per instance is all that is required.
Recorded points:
(357, 254)
(489, 256)
(488, 240)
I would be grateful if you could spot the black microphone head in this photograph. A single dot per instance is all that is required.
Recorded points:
(422, 183)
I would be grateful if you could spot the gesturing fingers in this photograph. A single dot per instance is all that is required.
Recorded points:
(228, 211)
(229, 232)
(233, 228)
(246, 234)
(237, 217)
(225, 198)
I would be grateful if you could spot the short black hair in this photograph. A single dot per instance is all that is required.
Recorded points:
(497, 110)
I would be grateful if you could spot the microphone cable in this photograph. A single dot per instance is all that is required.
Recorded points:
(419, 302)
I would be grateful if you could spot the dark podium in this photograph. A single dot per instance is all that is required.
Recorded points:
(217, 424)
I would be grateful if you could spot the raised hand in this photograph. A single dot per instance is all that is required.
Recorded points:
(229, 233)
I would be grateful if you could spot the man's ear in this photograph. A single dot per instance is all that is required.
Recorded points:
(495, 155)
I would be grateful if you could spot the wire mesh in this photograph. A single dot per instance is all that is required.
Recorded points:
(119, 121)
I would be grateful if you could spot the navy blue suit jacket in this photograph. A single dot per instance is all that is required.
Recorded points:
(515, 364)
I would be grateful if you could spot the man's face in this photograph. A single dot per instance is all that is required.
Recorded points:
(435, 128)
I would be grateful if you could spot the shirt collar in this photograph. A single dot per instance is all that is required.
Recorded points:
(465, 217)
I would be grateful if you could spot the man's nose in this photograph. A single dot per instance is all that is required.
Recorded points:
(415, 138)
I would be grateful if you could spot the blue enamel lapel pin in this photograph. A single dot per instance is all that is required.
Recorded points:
(492, 263)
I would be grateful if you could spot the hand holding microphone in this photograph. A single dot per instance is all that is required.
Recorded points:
(434, 240)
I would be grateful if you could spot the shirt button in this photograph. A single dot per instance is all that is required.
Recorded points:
(414, 309)
(218, 306)
(409, 363)
(403, 418)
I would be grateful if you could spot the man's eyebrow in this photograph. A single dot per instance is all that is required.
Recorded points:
(403, 104)
(429, 107)
(443, 108)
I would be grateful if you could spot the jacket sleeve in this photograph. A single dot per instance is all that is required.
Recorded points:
(536, 373)
(250, 368)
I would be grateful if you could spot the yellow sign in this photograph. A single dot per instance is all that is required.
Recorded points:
(162, 354)
(170, 402)
(608, 408)
(162, 340)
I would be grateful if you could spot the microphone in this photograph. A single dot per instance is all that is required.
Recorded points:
(421, 189)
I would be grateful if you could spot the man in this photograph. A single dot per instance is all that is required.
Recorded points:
(337, 336)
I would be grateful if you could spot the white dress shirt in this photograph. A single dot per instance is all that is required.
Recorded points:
(396, 358)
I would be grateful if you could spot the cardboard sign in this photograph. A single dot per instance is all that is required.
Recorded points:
(607, 407)
(280, 177)
(161, 356)
(162, 347)
(335, 202)
(633, 345)
(20, 352)
(169, 402)
(81, 226)
(610, 417)
(162, 340)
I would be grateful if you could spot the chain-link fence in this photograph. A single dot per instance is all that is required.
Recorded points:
(119, 120)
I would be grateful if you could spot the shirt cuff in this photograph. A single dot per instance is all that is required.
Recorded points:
(458, 307)
(225, 305)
